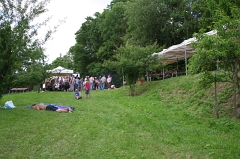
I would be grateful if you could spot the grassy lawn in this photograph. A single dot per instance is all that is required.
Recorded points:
(169, 119)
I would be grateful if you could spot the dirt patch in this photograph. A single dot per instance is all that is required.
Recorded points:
(220, 87)
(228, 106)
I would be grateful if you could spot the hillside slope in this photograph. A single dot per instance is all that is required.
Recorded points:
(170, 118)
(185, 92)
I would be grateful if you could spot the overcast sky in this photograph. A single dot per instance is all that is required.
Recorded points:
(75, 12)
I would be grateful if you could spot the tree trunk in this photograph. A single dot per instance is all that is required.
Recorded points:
(132, 89)
(235, 86)
(216, 100)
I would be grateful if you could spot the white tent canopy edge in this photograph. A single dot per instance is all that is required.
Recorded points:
(180, 51)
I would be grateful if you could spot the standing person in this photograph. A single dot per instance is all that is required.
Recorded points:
(48, 84)
(66, 84)
(72, 81)
(52, 83)
(77, 85)
(91, 80)
(96, 83)
(109, 80)
(61, 83)
(87, 88)
(77, 94)
(103, 82)
(81, 84)
(100, 82)
(85, 79)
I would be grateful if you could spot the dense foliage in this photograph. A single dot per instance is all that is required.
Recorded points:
(64, 61)
(138, 23)
(221, 50)
(21, 52)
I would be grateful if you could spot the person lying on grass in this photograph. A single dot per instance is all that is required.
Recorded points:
(52, 108)
(77, 94)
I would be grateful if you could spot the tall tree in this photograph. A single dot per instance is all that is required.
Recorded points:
(97, 39)
(18, 37)
(88, 41)
(112, 26)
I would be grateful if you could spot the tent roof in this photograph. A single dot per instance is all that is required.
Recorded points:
(60, 71)
(177, 52)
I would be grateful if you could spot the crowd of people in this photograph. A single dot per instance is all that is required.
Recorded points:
(71, 83)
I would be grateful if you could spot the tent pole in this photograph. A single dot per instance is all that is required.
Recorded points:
(147, 76)
(185, 59)
(123, 76)
(177, 67)
(163, 73)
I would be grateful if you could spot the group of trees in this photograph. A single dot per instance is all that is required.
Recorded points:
(131, 26)
(123, 35)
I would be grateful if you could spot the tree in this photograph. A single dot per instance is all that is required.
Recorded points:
(166, 22)
(97, 39)
(66, 61)
(35, 75)
(112, 26)
(18, 37)
(134, 62)
(88, 41)
(224, 47)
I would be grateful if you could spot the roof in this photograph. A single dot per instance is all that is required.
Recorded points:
(60, 71)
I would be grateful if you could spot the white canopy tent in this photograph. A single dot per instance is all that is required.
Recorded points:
(180, 51)
(60, 71)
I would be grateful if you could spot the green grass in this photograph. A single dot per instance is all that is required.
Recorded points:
(169, 119)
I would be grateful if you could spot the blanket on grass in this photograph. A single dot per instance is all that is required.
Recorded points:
(59, 106)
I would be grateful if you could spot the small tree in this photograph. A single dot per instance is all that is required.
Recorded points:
(224, 47)
(134, 62)
(32, 76)
(65, 61)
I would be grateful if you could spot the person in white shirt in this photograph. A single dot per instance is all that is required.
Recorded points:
(109, 80)
(57, 85)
